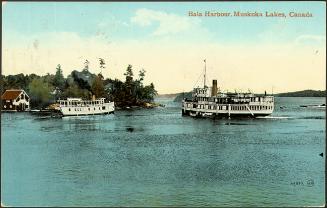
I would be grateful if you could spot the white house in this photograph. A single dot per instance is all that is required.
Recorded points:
(15, 100)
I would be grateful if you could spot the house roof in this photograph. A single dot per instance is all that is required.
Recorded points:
(11, 94)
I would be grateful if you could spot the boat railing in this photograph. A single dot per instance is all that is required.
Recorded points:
(81, 103)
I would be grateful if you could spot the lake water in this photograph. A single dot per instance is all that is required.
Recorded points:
(156, 157)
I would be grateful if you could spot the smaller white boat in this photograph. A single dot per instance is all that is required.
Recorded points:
(313, 106)
(319, 106)
(79, 107)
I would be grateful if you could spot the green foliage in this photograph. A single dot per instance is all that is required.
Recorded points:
(75, 91)
(18, 81)
(148, 93)
(102, 63)
(97, 87)
(83, 79)
(129, 74)
(40, 92)
(141, 75)
(47, 89)
(59, 80)
(183, 95)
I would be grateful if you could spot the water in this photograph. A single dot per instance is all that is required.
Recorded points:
(156, 157)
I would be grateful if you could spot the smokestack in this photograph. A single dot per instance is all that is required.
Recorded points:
(214, 88)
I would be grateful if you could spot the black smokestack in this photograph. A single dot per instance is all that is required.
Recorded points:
(214, 88)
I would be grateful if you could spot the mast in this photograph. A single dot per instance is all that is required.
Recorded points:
(205, 71)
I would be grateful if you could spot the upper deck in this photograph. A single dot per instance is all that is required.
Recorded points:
(79, 102)
(212, 94)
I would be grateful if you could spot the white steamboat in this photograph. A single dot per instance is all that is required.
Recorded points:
(79, 107)
(210, 102)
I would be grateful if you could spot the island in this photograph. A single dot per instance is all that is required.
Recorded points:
(45, 90)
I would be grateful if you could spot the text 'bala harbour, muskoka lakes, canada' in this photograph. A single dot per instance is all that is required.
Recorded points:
(248, 14)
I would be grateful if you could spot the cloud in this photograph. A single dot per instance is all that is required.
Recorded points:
(310, 39)
(173, 66)
(168, 23)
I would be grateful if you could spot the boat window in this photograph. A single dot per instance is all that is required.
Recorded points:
(89, 109)
(68, 109)
(103, 107)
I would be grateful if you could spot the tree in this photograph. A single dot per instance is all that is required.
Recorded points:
(97, 87)
(59, 80)
(141, 75)
(86, 65)
(40, 92)
(83, 79)
(149, 92)
(102, 64)
(129, 74)
(75, 91)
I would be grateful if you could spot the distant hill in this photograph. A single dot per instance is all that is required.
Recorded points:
(182, 95)
(173, 95)
(303, 93)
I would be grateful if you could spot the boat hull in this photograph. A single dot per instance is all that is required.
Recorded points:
(224, 115)
(105, 108)
(205, 113)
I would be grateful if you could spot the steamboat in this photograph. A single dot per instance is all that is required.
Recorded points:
(211, 102)
(79, 107)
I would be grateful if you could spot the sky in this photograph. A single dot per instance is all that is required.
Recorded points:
(242, 53)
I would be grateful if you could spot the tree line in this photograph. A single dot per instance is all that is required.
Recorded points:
(45, 90)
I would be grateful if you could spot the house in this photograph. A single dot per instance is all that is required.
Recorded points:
(15, 100)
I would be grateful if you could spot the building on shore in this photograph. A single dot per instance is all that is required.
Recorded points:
(15, 100)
